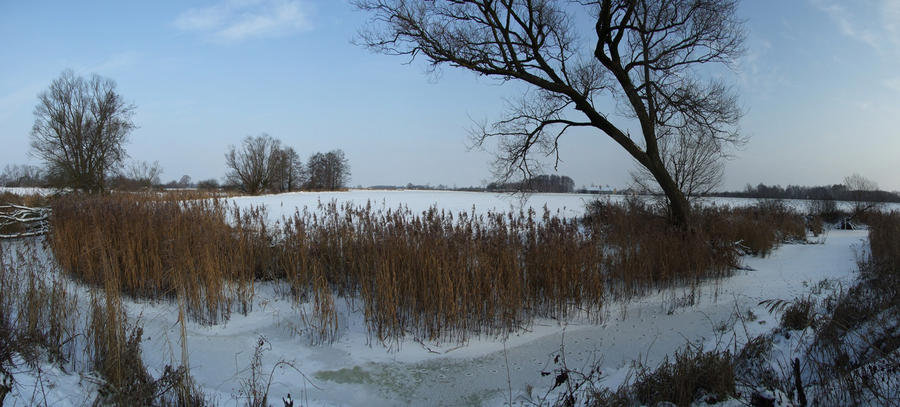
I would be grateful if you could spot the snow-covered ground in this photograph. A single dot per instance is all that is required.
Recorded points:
(360, 370)
(27, 191)
(566, 205)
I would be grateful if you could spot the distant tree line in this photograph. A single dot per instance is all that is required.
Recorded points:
(839, 192)
(81, 126)
(261, 164)
(23, 176)
(539, 183)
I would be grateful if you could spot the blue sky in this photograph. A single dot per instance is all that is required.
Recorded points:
(820, 85)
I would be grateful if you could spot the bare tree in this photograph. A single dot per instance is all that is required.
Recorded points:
(861, 192)
(254, 166)
(645, 55)
(329, 171)
(316, 168)
(80, 129)
(144, 174)
(695, 163)
(208, 184)
(338, 169)
(22, 176)
(290, 172)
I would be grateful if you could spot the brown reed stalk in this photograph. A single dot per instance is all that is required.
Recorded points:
(434, 274)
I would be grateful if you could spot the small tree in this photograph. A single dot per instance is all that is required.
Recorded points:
(208, 184)
(290, 172)
(338, 169)
(329, 171)
(695, 162)
(144, 174)
(861, 192)
(80, 129)
(316, 168)
(255, 165)
(184, 181)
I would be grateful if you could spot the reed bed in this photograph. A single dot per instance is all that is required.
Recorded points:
(435, 274)
(152, 247)
(43, 317)
(36, 312)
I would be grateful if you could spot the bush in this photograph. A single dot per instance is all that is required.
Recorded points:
(692, 375)
(855, 350)
(798, 315)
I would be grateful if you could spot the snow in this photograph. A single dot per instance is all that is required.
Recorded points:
(27, 191)
(565, 205)
(359, 370)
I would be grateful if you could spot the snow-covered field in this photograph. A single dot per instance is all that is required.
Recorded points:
(566, 205)
(26, 191)
(360, 370)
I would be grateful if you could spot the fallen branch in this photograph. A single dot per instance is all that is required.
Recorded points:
(21, 221)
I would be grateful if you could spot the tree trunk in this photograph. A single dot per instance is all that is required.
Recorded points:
(678, 205)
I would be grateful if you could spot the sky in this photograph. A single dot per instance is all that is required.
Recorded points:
(819, 85)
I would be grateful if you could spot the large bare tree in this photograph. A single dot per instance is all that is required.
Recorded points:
(647, 55)
(80, 129)
(254, 167)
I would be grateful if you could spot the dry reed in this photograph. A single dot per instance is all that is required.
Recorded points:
(434, 274)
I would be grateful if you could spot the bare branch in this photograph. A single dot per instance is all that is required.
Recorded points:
(644, 56)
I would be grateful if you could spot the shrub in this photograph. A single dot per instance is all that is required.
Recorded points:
(855, 350)
(798, 315)
(691, 375)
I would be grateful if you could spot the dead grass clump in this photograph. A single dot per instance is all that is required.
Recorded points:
(114, 347)
(40, 321)
(884, 230)
(693, 374)
(795, 315)
(754, 230)
(36, 312)
(798, 315)
(644, 251)
(157, 248)
(439, 275)
(31, 200)
(856, 349)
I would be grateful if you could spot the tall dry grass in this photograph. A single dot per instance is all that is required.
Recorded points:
(43, 319)
(36, 312)
(159, 248)
(855, 355)
(434, 274)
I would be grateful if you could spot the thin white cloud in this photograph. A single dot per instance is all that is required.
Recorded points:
(755, 71)
(872, 23)
(891, 17)
(842, 17)
(893, 84)
(114, 63)
(14, 102)
(239, 20)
